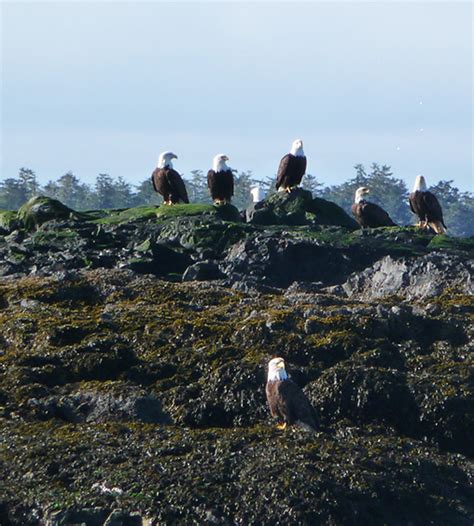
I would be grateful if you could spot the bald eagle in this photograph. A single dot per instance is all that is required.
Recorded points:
(167, 181)
(369, 214)
(426, 206)
(292, 168)
(220, 180)
(287, 402)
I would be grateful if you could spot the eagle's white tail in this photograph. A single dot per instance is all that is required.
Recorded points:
(437, 227)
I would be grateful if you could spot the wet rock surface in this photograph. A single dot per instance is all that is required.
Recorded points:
(132, 370)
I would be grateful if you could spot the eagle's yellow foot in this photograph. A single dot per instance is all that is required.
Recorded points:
(281, 426)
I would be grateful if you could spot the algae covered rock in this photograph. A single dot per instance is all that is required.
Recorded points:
(226, 212)
(298, 208)
(203, 232)
(122, 391)
(8, 221)
(40, 209)
(328, 213)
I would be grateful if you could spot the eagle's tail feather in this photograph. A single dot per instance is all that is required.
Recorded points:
(438, 227)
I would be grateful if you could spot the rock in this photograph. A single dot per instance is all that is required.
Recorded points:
(143, 394)
(123, 518)
(40, 209)
(364, 395)
(8, 221)
(281, 208)
(329, 213)
(203, 271)
(225, 212)
(203, 232)
(128, 405)
(412, 278)
(298, 208)
(278, 261)
(88, 516)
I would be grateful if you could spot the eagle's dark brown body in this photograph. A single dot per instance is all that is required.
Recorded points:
(370, 215)
(426, 206)
(291, 171)
(289, 404)
(221, 185)
(168, 183)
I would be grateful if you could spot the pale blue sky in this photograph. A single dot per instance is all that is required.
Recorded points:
(106, 86)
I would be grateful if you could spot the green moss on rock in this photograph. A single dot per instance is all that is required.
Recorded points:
(453, 243)
(40, 209)
(329, 213)
(8, 220)
(128, 215)
(226, 212)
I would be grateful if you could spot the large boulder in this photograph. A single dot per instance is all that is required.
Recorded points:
(277, 260)
(40, 209)
(413, 277)
(298, 208)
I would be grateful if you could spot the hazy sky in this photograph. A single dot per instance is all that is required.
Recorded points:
(106, 86)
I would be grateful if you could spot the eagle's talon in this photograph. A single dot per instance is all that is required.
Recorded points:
(281, 426)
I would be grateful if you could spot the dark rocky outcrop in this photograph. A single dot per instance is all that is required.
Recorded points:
(298, 208)
(132, 367)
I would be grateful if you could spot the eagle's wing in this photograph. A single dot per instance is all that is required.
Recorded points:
(411, 200)
(231, 182)
(433, 207)
(295, 405)
(177, 185)
(211, 182)
(211, 175)
(154, 176)
(377, 215)
(272, 398)
(282, 170)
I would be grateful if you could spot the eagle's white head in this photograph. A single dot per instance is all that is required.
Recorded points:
(297, 148)
(276, 370)
(360, 193)
(218, 163)
(165, 159)
(420, 184)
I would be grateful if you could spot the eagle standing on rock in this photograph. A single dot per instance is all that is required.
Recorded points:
(426, 206)
(292, 168)
(167, 181)
(286, 400)
(369, 214)
(220, 180)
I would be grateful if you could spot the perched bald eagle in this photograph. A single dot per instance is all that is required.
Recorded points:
(292, 168)
(426, 206)
(167, 181)
(220, 180)
(369, 214)
(286, 400)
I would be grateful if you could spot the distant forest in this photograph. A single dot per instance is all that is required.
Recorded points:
(107, 192)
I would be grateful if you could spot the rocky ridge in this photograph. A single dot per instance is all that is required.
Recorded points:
(133, 352)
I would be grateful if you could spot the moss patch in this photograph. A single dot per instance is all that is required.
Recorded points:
(139, 213)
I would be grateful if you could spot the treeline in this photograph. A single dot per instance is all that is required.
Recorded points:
(108, 192)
